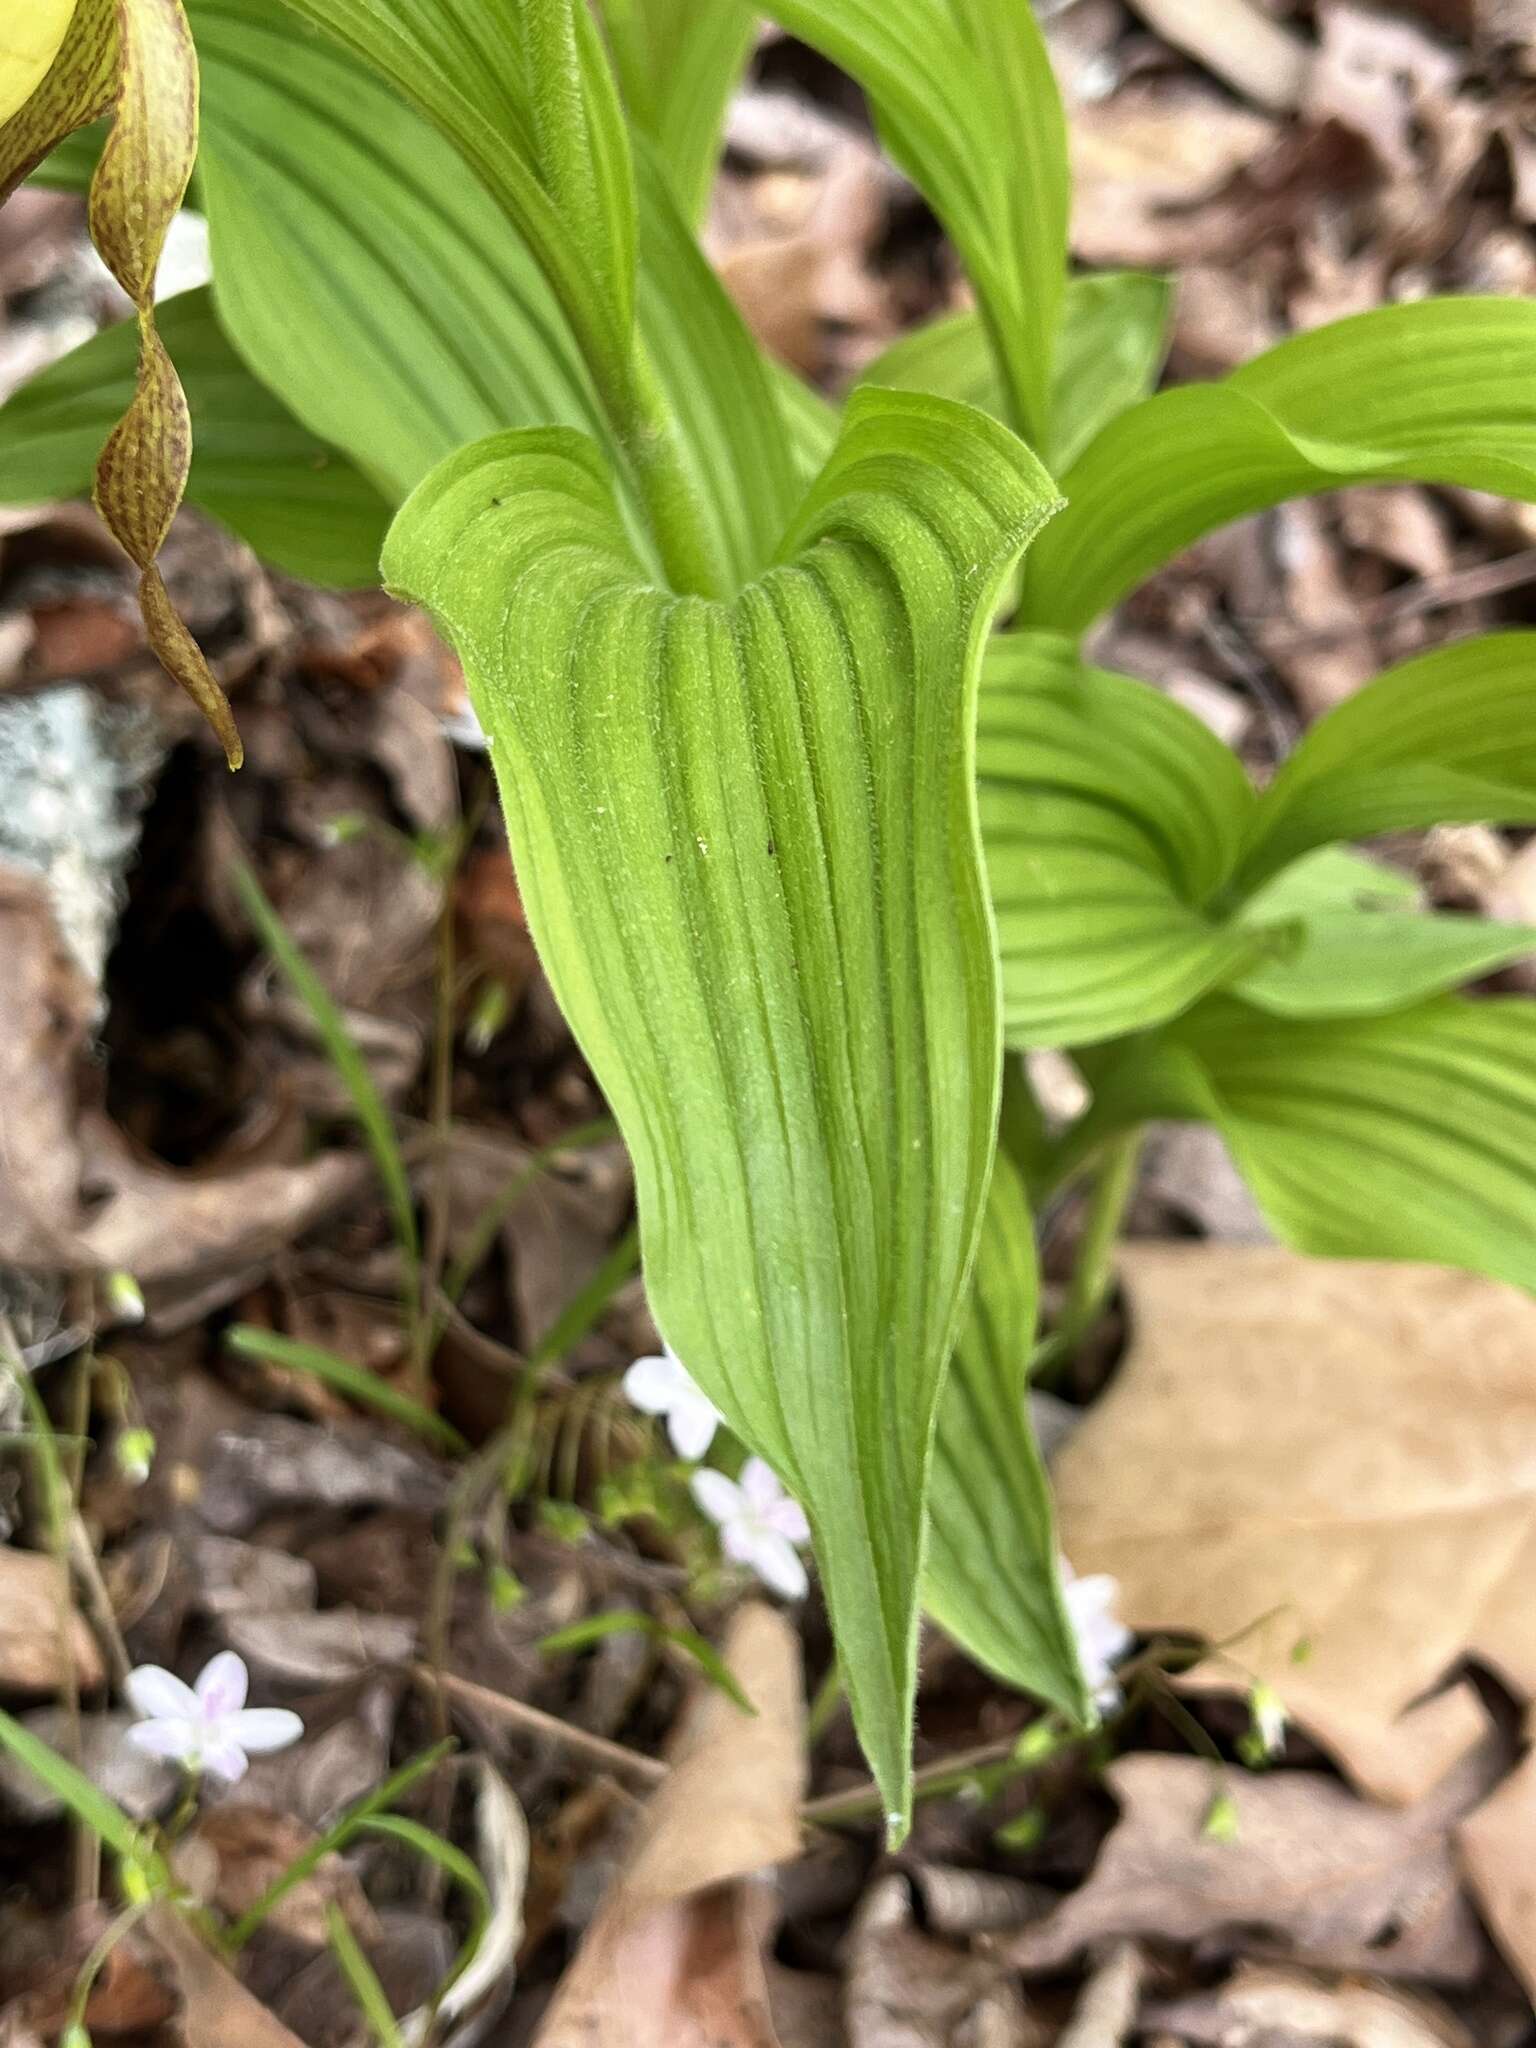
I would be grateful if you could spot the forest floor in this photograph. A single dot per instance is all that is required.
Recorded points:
(1281, 1436)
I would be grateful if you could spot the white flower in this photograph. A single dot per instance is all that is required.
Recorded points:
(760, 1526)
(1102, 1637)
(663, 1385)
(207, 1727)
(1268, 1711)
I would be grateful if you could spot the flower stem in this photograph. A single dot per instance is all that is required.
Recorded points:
(1114, 1184)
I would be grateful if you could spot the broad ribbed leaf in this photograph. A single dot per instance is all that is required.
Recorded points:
(967, 105)
(1110, 348)
(373, 283)
(1410, 1136)
(362, 270)
(1447, 737)
(522, 90)
(1441, 391)
(1113, 340)
(1110, 816)
(745, 835)
(1357, 943)
(299, 504)
(678, 62)
(991, 1578)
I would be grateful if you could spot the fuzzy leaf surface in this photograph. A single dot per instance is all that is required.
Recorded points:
(746, 837)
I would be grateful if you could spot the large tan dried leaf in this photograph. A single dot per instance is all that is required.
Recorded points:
(1328, 1453)
(1313, 1872)
(1239, 42)
(1496, 1844)
(674, 1956)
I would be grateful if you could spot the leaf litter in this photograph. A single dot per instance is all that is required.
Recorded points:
(166, 1107)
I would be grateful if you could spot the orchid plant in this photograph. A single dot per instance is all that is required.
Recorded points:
(820, 813)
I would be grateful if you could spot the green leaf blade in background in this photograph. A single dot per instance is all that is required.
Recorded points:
(300, 504)
(362, 271)
(1437, 391)
(1448, 737)
(991, 1580)
(1406, 1136)
(967, 105)
(746, 838)
(1358, 942)
(678, 64)
(1110, 816)
(1113, 337)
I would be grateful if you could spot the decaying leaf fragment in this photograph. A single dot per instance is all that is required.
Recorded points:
(674, 1957)
(134, 57)
(1312, 1872)
(1326, 1456)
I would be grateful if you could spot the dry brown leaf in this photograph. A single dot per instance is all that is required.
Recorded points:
(907, 1989)
(1140, 162)
(216, 2009)
(1330, 1453)
(237, 1851)
(34, 1600)
(1245, 47)
(1314, 1872)
(1261, 2007)
(1496, 1844)
(674, 1956)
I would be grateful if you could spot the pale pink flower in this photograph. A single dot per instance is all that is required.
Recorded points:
(760, 1526)
(206, 1726)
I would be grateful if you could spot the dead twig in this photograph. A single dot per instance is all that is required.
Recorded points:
(613, 1756)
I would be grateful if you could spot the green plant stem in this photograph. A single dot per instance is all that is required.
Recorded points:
(96, 1961)
(648, 434)
(1114, 1183)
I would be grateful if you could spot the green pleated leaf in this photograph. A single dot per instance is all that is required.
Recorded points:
(71, 166)
(1110, 816)
(526, 97)
(1409, 1136)
(1113, 337)
(1448, 737)
(362, 270)
(1356, 943)
(373, 282)
(1440, 391)
(1113, 341)
(992, 1580)
(967, 105)
(745, 835)
(300, 504)
(678, 63)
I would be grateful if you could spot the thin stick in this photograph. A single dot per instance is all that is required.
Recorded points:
(613, 1756)
(866, 1802)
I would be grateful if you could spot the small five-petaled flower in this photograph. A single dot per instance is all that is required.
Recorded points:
(663, 1385)
(205, 1726)
(760, 1526)
(1102, 1637)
